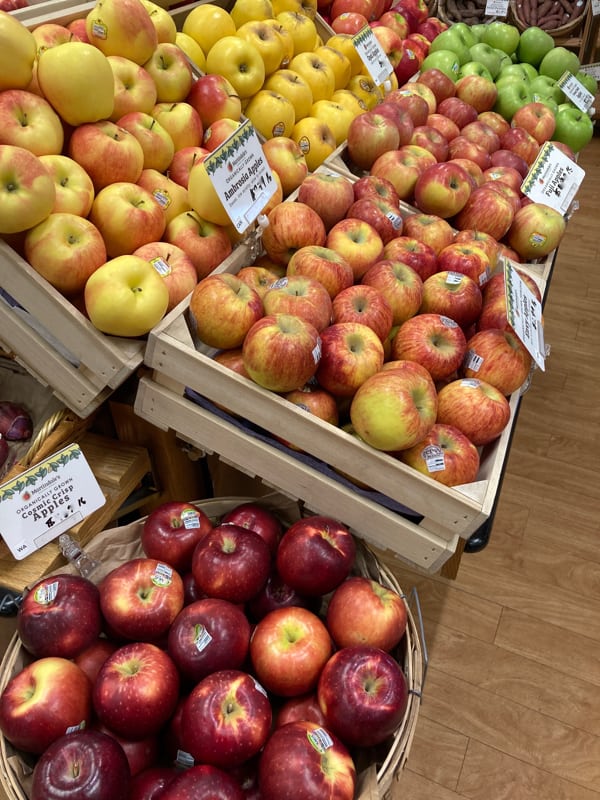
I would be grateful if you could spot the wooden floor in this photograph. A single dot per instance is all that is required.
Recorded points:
(511, 705)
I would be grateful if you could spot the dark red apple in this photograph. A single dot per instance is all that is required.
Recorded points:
(402, 120)
(459, 111)
(277, 594)
(297, 709)
(141, 753)
(203, 782)
(148, 784)
(171, 532)
(91, 659)
(256, 518)
(60, 616)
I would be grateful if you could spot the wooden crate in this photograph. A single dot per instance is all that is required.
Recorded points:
(405, 513)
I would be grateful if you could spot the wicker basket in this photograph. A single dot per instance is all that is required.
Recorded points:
(562, 31)
(119, 544)
(445, 14)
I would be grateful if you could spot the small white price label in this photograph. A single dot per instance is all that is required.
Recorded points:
(241, 176)
(553, 178)
(575, 91)
(595, 7)
(373, 55)
(524, 313)
(47, 500)
(496, 8)
(592, 69)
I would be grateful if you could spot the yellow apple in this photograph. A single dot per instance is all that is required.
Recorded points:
(17, 53)
(171, 71)
(29, 121)
(303, 30)
(315, 139)
(339, 63)
(49, 34)
(166, 29)
(246, 10)
(308, 7)
(337, 117)
(286, 40)
(271, 114)
(366, 89)
(267, 40)
(240, 62)
(134, 87)
(351, 101)
(122, 28)
(203, 197)
(77, 80)
(26, 188)
(295, 87)
(317, 73)
(126, 297)
(344, 43)
(171, 196)
(191, 48)
(207, 23)
(74, 187)
(181, 121)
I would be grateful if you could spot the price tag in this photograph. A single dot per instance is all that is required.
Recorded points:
(595, 7)
(373, 55)
(553, 179)
(524, 313)
(592, 69)
(575, 91)
(241, 176)
(496, 8)
(47, 500)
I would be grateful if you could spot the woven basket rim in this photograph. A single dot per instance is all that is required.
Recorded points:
(367, 563)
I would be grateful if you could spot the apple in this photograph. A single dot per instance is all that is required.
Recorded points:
(157, 144)
(401, 286)
(465, 258)
(171, 531)
(482, 134)
(558, 61)
(205, 243)
(435, 341)
(267, 41)
(497, 357)
(258, 278)
(514, 196)
(202, 782)
(358, 242)
(486, 211)
(329, 194)
(271, 113)
(464, 148)
(276, 593)
(136, 690)
(445, 454)
(370, 135)
(384, 217)
(304, 708)
(240, 62)
(313, 400)
(18, 53)
(482, 240)
(28, 189)
(166, 30)
(475, 407)
(421, 90)
(74, 187)
(459, 111)
(429, 138)
(122, 28)
(207, 635)
(430, 229)
(223, 309)
(134, 87)
(574, 128)
(213, 97)
(291, 226)
(395, 408)
(400, 118)
(140, 753)
(439, 82)
(125, 297)
(444, 125)
(294, 86)
(442, 189)
(414, 253)
(454, 40)
(91, 658)
(521, 142)
(472, 169)
(181, 121)
(474, 68)
(495, 121)
(207, 24)
(288, 649)
(286, 158)
(127, 217)
(29, 121)
(231, 563)
(46, 699)
(511, 97)
(108, 153)
(452, 294)
(66, 72)
(174, 266)
(502, 36)
(219, 131)
(338, 61)
(507, 158)
(537, 119)
(65, 249)
(324, 265)
(365, 304)
(257, 518)
(85, 763)
(445, 61)
(150, 782)
(301, 296)
(536, 231)
(431, 27)
(349, 22)
(315, 139)
(413, 104)
(181, 166)
(507, 175)
(350, 353)
(533, 45)
(377, 187)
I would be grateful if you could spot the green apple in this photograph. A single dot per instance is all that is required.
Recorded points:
(530, 71)
(474, 68)
(547, 100)
(547, 87)
(573, 127)
(533, 45)
(587, 80)
(477, 31)
(451, 39)
(466, 33)
(445, 60)
(502, 35)
(505, 59)
(488, 56)
(558, 61)
(513, 71)
(511, 97)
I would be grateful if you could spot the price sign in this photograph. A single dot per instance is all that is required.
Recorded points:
(241, 176)
(595, 7)
(373, 55)
(47, 500)
(592, 69)
(496, 8)
(553, 179)
(524, 313)
(575, 91)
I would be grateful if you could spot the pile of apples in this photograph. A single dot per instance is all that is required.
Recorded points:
(238, 659)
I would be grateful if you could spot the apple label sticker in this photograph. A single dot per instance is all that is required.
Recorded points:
(202, 637)
(454, 278)
(190, 519)
(46, 593)
(163, 575)
(433, 456)
(473, 361)
(320, 739)
(161, 266)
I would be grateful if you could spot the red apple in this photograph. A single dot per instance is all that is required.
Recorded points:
(465, 258)
(381, 215)
(445, 454)
(495, 121)
(91, 659)
(277, 594)
(349, 22)
(459, 111)
(475, 407)
(442, 189)
(430, 229)
(203, 782)
(288, 649)
(486, 211)
(291, 226)
(478, 91)
(521, 142)
(393, 19)
(481, 134)
(440, 84)
(429, 138)
(506, 158)
(183, 161)
(59, 616)
(409, 63)
(329, 194)
(213, 97)
(415, 105)
(413, 252)
(257, 518)
(402, 167)
(364, 304)
(472, 169)
(141, 753)
(358, 242)
(375, 186)
(174, 266)
(508, 175)
(444, 125)
(205, 243)
(300, 296)
(514, 196)
(350, 353)
(400, 284)
(537, 119)
(432, 340)
(223, 308)
(461, 147)
(150, 782)
(401, 119)
(369, 135)
(304, 708)
(454, 295)
(324, 265)
(497, 357)
(363, 694)
(171, 532)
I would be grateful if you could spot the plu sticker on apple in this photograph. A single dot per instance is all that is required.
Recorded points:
(553, 179)
(373, 55)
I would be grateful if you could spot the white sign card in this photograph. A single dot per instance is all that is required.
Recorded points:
(373, 55)
(592, 69)
(241, 176)
(524, 313)
(496, 8)
(47, 500)
(575, 91)
(595, 7)
(553, 179)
